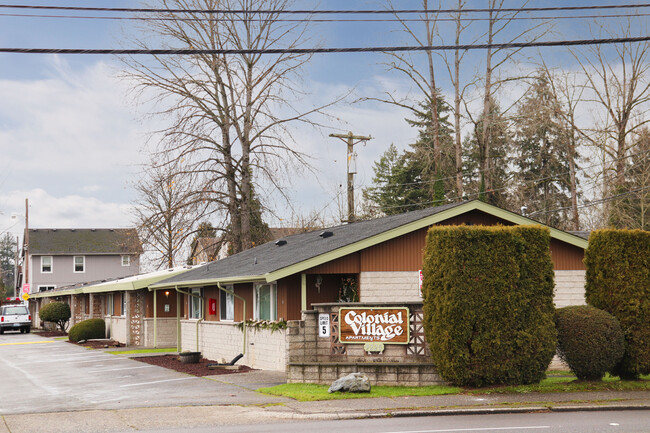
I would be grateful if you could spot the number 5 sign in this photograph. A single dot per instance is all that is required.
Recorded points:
(323, 325)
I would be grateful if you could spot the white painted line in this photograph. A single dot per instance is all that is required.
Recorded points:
(536, 427)
(118, 369)
(157, 381)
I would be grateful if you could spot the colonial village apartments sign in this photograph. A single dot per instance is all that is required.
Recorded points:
(370, 325)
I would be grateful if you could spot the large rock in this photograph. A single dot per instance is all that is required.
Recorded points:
(354, 382)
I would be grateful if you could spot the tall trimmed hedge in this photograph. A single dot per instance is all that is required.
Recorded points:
(56, 312)
(87, 330)
(618, 281)
(488, 303)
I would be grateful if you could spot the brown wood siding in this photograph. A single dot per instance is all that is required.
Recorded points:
(404, 253)
(350, 264)
(211, 293)
(246, 292)
(117, 303)
(161, 300)
(475, 217)
(329, 289)
(566, 257)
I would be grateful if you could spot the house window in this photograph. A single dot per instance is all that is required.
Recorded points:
(126, 260)
(45, 288)
(265, 302)
(79, 264)
(227, 305)
(46, 264)
(109, 305)
(196, 305)
(123, 312)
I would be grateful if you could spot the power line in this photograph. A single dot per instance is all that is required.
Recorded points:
(322, 20)
(314, 12)
(192, 51)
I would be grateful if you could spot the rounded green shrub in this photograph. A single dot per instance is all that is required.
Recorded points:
(618, 281)
(589, 340)
(488, 303)
(56, 312)
(88, 329)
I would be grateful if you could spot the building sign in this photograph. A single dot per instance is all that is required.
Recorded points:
(323, 325)
(364, 325)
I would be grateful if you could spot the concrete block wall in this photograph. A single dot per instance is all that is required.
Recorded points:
(569, 288)
(389, 287)
(264, 349)
(116, 328)
(166, 332)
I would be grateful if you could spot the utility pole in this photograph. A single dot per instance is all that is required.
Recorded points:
(26, 247)
(351, 140)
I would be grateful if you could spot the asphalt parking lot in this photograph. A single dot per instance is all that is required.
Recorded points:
(45, 375)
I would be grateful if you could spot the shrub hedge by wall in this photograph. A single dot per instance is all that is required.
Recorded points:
(488, 303)
(618, 281)
(87, 329)
(589, 340)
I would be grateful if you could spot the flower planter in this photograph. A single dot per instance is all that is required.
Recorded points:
(189, 357)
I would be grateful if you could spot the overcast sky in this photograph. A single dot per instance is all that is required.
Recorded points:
(71, 140)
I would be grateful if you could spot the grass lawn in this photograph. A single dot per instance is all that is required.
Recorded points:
(129, 352)
(556, 382)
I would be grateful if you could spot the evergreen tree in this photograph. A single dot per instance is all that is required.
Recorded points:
(542, 157)
(7, 264)
(498, 169)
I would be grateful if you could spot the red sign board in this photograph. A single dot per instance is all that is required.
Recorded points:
(212, 306)
(26, 288)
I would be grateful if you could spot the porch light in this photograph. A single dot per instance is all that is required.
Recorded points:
(167, 293)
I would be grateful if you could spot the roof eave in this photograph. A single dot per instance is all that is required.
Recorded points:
(210, 281)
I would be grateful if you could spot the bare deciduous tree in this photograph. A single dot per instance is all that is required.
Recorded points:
(228, 112)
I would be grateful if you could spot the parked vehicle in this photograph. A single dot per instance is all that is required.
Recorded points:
(15, 318)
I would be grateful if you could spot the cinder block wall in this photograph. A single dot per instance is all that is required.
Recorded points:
(166, 330)
(569, 288)
(389, 287)
(116, 328)
(264, 349)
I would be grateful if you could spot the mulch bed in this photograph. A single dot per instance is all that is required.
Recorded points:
(98, 344)
(49, 333)
(199, 369)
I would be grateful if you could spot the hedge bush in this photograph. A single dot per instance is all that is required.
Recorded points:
(589, 340)
(488, 303)
(57, 312)
(91, 328)
(618, 281)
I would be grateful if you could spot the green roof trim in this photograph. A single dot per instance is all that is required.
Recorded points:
(54, 293)
(416, 225)
(210, 281)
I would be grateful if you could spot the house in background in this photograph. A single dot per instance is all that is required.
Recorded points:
(67, 257)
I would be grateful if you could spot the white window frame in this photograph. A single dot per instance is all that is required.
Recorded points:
(195, 312)
(123, 312)
(46, 287)
(110, 306)
(228, 300)
(273, 305)
(83, 264)
(43, 264)
(126, 260)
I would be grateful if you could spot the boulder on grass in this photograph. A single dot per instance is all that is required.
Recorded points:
(354, 382)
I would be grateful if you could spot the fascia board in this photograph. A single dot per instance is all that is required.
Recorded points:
(110, 287)
(209, 281)
(52, 294)
(416, 225)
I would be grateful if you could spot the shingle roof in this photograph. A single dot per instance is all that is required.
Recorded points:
(271, 257)
(84, 241)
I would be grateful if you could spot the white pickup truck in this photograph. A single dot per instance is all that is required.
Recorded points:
(15, 318)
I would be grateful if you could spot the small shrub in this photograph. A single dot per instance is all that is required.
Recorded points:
(88, 329)
(589, 340)
(618, 281)
(56, 312)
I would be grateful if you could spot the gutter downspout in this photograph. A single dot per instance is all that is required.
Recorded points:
(243, 314)
(155, 319)
(197, 333)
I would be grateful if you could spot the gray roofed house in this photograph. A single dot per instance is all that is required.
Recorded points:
(84, 241)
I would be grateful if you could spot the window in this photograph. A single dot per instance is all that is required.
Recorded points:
(265, 302)
(45, 288)
(196, 304)
(123, 312)
(109, 305)
(46, 264)
(227, 304)
(126, 260)
(79, 264)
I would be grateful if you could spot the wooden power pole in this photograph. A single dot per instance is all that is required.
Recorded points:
(351, 140)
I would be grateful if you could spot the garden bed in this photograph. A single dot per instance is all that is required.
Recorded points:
(198, 369)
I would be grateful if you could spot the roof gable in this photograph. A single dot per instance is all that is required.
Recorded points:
(84, 241)
(272, 261)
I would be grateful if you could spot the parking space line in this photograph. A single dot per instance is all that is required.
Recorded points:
(157, 381)
(27, 342)
(118, 369)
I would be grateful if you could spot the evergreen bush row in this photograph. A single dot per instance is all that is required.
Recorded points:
(87, 329)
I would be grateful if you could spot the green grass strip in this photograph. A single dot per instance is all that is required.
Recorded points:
(557, 382)
(130, 352)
